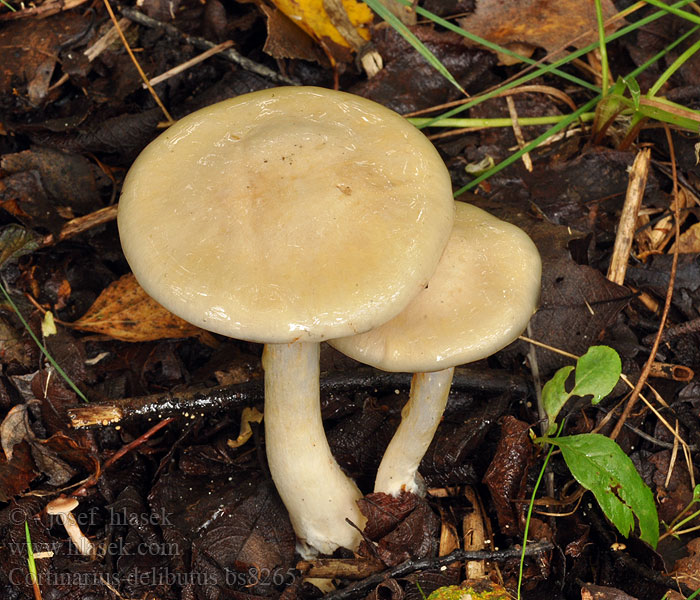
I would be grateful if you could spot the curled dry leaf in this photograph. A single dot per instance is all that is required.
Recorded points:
(688, 568)
(58, 458)
(13, 429)
(249, 415)
(125, 312)
(403, 527)
(67, 179)
(507, 472)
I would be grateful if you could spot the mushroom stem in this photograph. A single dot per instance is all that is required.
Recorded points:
(82, 543)
(420, 418)
(317, 494)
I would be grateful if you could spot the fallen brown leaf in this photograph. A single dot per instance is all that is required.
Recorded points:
(527, 24)
(403, 527)
(687, 569)
(17, 473)
(507, 472)
(125, 312)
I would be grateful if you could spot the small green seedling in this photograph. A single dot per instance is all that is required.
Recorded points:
(596, 374)
(595, 461)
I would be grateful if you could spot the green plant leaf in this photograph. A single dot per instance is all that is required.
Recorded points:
(597, 373)
(601, 466)
(554, 394)
(635, 91)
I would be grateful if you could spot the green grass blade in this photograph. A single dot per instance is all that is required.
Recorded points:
(408, 35)
(604, 66)
(694, 595)
(674, 10)
(495, 47)
(497, 121)
(533, 144)
(43, 349)
(565, 122)
(30, 553)
(666, 111)
(674, 67)
(562, 61)
(530, 507)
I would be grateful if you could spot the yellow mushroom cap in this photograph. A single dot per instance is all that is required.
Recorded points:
(293, 213)
(481, 297)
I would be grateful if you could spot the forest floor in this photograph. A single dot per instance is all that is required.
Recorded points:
(167, 457)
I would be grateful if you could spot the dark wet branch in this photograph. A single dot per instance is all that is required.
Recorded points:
(362, 588)
(208, 400)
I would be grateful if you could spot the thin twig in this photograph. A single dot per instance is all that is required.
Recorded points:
(675, 331)
(130, 52)
(202, 44)
(81, 224)
(363, 587)
(106, 40)
(518, 132)
(667, 304)
(628, 219)
(92, 480)
(188, 64)
(42, 11)
(671, 371)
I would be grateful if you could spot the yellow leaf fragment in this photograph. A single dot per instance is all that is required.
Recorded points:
(321, 19)
(689, 242)
(48, 325)
(248, 416)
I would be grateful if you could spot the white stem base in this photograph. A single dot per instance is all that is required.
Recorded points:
(317, 494)
(420, 418)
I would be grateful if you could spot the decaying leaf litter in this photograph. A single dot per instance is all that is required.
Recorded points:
(178, 508)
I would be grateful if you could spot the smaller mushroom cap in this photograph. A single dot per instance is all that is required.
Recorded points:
(481, 297)
(61, 505)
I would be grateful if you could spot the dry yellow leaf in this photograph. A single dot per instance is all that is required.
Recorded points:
(689, 242)
(248, 416)
(125, 312)
(321, 19)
